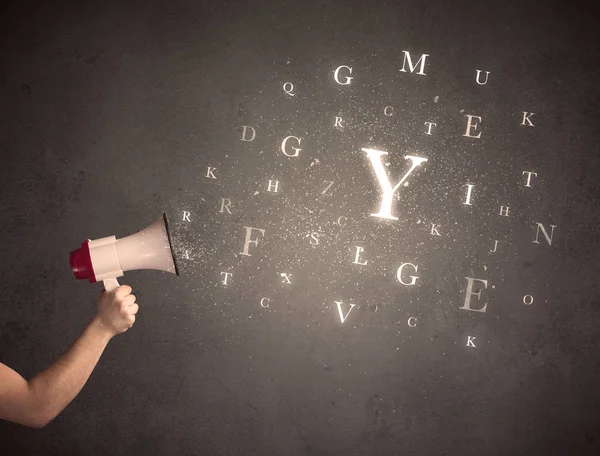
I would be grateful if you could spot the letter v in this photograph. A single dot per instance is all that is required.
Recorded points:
(339, 306)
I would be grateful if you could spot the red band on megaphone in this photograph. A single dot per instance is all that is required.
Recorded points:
(81, 262)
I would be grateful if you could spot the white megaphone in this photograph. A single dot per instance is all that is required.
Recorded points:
(107, 258)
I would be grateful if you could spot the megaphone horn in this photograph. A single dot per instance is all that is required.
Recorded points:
(108, 258)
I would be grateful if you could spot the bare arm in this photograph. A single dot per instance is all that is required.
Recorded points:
(37, 402)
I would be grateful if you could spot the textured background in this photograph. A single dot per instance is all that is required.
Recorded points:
(112, 112)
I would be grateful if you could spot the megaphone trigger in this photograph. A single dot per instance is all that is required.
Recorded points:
(111, 284)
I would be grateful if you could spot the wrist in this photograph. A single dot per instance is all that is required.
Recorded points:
(100, 330)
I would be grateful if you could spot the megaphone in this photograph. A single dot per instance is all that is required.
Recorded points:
(107, 258)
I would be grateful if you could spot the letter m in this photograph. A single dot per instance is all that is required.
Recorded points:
(412, 67)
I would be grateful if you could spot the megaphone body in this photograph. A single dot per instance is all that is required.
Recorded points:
(108, 258)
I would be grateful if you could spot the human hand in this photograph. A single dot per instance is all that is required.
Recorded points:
(116, 310)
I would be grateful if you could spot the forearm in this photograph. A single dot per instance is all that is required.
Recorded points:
(53, 389)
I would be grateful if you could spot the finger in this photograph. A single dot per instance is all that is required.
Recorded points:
(133, 309)
(129, 299)
(131, 320)
(123, 290)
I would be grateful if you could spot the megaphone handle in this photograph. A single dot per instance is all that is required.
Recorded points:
(110, 284)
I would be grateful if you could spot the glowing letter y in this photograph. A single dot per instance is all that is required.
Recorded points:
(385, 211)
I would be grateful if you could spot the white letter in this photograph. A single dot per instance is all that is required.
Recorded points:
(385, 111)
(314, 237)
(327, 188)
(187, 255)
(248, 240)
(385, 210)
(339, 220)
(487, 73)
(529, 173)
(286, 277)
(467, 305)
(186, 216)
(227, 274)
(358, 251)
(434, 230)
(526, 116)
(289, 89)
(415, 321)
(471, 125)
(243, 138)
(504, 210)
(297, 151)
(338, 122)
(336, 75)
(527, 298)
(339, 305)
(470, 340)
(429, 130)
(262, 300)
(209, 173)
(545, 233)
(271, 185)
(469, 194)
(225, 206)
(410, 65)
(399, 274)
(495, 247)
